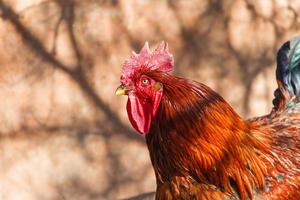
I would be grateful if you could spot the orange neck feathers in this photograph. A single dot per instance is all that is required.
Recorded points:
(196, 134)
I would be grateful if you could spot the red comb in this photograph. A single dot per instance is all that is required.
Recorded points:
(160, 59)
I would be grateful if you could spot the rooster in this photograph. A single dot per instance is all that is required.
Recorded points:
(200, 148)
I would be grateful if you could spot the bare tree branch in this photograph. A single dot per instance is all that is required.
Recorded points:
(76, 73)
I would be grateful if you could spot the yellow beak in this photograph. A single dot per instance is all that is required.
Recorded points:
(122, 90)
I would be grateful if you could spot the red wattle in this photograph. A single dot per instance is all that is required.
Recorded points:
(139, 112)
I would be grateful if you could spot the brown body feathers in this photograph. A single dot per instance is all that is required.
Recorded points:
(201, 149)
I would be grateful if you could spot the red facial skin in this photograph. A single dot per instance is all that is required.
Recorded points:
(146, 93)
(143, 102)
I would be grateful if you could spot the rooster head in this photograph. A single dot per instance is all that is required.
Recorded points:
(144, 93)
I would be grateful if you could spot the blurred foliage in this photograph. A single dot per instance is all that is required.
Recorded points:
(64, 135)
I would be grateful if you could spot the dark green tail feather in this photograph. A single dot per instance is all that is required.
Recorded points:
(288, 73)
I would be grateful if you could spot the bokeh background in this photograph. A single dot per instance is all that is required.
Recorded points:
(63, 132)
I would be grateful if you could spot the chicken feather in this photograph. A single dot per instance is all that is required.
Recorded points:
(200, 148)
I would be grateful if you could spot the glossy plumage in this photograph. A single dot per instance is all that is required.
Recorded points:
(201, 149)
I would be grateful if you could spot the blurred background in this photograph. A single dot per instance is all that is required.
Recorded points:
(63, 132)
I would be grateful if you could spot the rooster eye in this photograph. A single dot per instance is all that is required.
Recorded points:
(145, 82)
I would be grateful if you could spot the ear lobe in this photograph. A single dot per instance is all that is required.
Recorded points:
(157, 86)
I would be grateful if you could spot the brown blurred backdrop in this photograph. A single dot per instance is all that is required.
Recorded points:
(64, 134)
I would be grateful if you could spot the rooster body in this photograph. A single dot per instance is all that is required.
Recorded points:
(200, 147)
